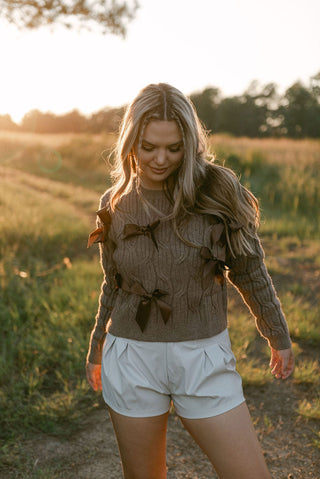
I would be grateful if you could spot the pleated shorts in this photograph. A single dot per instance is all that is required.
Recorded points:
(143, 379)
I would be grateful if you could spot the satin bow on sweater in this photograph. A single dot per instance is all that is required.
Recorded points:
(215, 258)
(133, 230)
(144, 307)
(213, 267)
(99, 235)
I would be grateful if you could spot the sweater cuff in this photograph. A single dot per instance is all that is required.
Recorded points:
(280, 342)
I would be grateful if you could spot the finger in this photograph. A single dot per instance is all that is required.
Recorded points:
(92, 383)
(284, 365)
(276, 371)
(99, 385)
(277, 366)
(273, 361)
(91, 378)
(289, 369)
(274, 358)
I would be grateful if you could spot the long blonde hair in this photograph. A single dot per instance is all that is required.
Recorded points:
(199, 185)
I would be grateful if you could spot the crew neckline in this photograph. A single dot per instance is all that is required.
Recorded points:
(151, 190)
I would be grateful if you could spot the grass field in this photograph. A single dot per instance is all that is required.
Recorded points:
(49, 189)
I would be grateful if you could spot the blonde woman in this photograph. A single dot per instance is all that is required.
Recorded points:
(173, 227)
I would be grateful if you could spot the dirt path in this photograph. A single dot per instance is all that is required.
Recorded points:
(92, 453)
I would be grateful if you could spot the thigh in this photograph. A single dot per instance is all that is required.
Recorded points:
(231, 444)
(142, 445)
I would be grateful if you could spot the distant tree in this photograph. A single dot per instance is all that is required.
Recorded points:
(229, 115)
(30, 120)
(206, 103)
(301, 112)
(110, 15)
(260, 102)
(72, 122)
(245, 115)
(241, 116)
(315, 86)
(6, 123)
(106, 120)
(38, 122)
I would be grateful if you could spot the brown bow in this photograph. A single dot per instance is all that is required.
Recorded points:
(99, 235)
(144, 307)
(213, 266)
(218, 242)
(132, 230)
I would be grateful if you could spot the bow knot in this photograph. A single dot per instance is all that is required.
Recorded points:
(144, 307)
(99, 235)
(213, 266)
(148, 230)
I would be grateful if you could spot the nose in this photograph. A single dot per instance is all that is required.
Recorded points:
(160, 156)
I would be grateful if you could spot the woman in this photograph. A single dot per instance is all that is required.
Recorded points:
(171, 229)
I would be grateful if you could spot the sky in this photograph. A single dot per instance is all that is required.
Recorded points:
(190, 44)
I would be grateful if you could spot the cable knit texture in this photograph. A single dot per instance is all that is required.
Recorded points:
(153, 260)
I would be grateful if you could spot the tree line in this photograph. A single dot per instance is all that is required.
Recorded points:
(262, 112)
(259, 112)
(105, 120)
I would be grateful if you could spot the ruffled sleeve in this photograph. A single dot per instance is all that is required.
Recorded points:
(108, 287)
(250, 276)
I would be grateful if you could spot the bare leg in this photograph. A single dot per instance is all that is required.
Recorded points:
(231, 444)
(142, 445)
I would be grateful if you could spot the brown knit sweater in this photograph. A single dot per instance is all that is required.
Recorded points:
(167, 290)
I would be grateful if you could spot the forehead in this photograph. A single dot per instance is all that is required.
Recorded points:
(161, 131)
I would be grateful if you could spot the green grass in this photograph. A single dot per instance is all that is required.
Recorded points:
(50, 282)
(284, 177)
(49, 289)
(78, 161)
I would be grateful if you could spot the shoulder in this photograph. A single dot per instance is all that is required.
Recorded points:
(105, 198)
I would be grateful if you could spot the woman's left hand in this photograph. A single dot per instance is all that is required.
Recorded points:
(282, 363)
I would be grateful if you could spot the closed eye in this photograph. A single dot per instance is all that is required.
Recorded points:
(147, 147)
(175, 149)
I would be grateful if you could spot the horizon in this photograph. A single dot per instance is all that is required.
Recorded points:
(106, 107)
(57, 70)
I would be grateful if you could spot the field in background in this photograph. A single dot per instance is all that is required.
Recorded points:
(49, 190)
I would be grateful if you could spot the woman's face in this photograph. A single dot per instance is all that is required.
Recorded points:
(161, 153)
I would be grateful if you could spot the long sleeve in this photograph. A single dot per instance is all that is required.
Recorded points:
(250, 276)
(106, 298)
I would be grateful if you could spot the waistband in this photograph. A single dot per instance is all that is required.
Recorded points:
(221, 338)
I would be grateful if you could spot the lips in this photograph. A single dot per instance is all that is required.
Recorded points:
(159, 171)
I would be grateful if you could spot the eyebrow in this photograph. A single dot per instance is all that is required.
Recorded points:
(180, 142)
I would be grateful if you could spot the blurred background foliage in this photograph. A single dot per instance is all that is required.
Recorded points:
(259, 112)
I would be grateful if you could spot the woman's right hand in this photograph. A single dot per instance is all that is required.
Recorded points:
(93, 373)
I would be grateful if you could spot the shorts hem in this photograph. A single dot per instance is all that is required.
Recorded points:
(214, 412)
(129, 413)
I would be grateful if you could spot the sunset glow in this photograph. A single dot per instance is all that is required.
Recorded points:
(223, 44)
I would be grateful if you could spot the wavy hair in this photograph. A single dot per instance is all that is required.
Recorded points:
(199, 185)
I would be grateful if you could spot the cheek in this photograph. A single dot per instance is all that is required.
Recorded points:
(144, 159)
(176, 161)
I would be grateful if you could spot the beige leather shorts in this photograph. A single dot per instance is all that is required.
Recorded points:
(142, 379)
